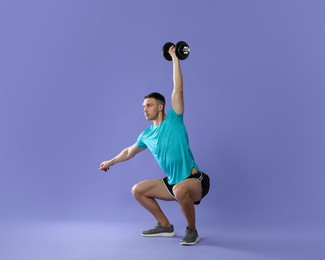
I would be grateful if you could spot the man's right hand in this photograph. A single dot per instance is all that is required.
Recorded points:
(104, 166)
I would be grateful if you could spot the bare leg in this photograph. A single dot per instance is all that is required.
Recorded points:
(147, 192)
(186, 193)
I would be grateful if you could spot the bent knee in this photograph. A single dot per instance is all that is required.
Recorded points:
(180, 193)
(183, 193)
(136, 189)
(139, 188)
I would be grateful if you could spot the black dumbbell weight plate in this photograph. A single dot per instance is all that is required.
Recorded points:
(165, 50)
(182, 50)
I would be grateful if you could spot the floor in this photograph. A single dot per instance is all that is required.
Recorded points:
(68, 240)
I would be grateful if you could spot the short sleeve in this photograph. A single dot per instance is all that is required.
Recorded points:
(139, 143)
(175, 117)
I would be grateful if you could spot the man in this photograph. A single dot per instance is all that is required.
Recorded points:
(167, 139)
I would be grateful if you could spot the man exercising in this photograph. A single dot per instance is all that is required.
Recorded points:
(167, 139)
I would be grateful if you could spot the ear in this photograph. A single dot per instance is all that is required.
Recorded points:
(160, 107)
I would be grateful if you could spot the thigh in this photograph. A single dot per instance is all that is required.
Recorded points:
(192, 186)
(154, 189)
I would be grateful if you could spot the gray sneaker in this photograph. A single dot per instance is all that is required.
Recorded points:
(191, 237)
(159, 231)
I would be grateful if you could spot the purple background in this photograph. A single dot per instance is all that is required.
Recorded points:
(73, 78)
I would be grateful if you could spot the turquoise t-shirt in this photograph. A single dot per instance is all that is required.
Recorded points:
(168, 142)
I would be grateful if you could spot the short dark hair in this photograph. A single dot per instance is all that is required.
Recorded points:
(157, 96)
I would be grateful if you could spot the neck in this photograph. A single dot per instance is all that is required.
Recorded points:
(160, 118)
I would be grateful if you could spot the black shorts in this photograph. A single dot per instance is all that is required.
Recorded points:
(202, 177)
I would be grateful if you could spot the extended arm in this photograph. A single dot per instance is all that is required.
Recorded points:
(125, 155)
(177, 95)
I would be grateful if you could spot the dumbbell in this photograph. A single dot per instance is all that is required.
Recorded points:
(182, 50)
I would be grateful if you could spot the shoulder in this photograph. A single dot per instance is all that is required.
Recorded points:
(141, 141)
(146, 131)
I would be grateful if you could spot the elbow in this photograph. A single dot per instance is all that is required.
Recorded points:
(129, 154)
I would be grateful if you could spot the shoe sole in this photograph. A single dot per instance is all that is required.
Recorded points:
(183, 243)
(164, 234)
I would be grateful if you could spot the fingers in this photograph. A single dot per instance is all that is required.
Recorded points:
(171, 49)
(103, 167)
(172, 53)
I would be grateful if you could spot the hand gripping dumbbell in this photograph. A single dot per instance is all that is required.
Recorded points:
(182, 50)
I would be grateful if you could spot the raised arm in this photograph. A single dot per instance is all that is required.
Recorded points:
(125, 155)
(177, 95)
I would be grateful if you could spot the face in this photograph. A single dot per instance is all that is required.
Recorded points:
(151, 108)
